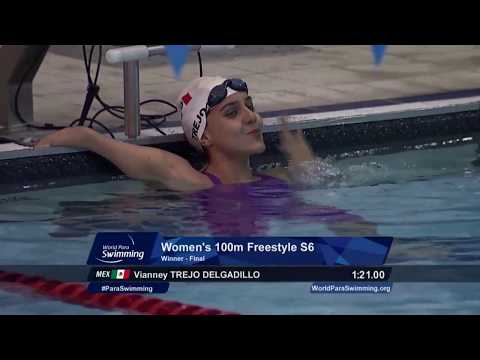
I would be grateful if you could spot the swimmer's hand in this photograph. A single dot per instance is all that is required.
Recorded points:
(294, 146)
(69, 137)
(304, 167)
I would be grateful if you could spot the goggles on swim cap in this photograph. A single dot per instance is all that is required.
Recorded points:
(219, 92)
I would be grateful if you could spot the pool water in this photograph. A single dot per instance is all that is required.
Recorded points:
(428, 199)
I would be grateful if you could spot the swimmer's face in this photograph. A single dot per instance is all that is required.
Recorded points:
(234, 127)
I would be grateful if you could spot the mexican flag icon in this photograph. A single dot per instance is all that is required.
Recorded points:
(120, 274)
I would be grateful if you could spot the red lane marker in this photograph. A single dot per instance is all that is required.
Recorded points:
(79, 295)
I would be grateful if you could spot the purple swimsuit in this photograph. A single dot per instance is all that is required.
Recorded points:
(244, 209)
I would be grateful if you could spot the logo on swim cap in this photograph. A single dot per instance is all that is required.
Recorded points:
(187, 98)
(201, 117)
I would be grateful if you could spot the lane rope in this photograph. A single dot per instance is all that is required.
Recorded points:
(78, 294)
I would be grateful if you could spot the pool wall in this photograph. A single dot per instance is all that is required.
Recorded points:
(345, 130)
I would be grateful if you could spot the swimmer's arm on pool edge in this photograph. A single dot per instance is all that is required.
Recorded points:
(138, 162)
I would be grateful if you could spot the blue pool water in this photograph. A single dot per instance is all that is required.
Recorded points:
(429, 200)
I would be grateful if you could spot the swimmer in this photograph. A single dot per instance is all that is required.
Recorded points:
(218, 119)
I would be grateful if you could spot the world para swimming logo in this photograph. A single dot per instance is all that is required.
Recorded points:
(120, 252)
(122, 248)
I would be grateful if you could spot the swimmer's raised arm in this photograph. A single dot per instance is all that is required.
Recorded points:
(137, 162)
(294, 146)
(296, 150)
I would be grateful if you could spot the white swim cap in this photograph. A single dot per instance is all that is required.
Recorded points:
(193, 107)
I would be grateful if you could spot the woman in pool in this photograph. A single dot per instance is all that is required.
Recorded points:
(219, 119)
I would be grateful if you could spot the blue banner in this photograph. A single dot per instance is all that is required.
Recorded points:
(378, 53)
(128, 288)
(118, 249)
(177, 54)
(351, 288)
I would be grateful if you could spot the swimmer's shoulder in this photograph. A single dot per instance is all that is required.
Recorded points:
(277, 172)
(187, 182)
(197, 182)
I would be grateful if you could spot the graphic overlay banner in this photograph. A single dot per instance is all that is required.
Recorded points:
(148, 262)
(351, 288)
(152, 274)
(398, 273)
(130, 288)
(120, 249)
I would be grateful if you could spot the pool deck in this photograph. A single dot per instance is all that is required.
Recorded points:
(280, 77)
